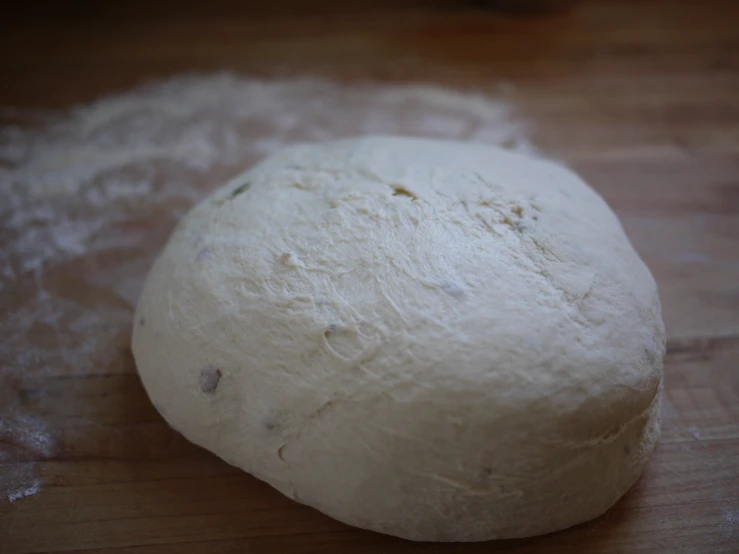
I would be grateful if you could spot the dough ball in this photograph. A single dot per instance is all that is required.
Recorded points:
(436, 340)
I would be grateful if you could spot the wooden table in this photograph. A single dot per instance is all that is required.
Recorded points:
(642, 98)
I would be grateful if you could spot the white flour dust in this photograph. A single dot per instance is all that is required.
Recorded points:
(729, 522)
(25, 491)
(88, 196)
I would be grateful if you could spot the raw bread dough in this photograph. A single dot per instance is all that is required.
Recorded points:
(436, 340)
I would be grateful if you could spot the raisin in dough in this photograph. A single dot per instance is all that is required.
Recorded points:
(437, 340)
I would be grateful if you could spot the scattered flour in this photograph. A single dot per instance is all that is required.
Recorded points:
(35, 438)
(730, 522)
(25, 492)
(88, 196)
(695, 433)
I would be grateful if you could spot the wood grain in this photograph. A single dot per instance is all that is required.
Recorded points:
(642, 98)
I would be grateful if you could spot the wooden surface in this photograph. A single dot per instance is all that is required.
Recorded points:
(642, 98)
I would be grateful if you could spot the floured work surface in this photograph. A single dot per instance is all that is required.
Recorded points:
(89, 197)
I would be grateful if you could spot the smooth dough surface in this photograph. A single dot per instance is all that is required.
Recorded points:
(437, 340)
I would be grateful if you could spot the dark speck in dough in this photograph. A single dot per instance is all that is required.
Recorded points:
(240, 189)
(209, 378)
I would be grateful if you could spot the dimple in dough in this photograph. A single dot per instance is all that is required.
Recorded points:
(437, 340)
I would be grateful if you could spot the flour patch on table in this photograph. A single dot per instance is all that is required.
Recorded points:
(25, 491)
(730, 522)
